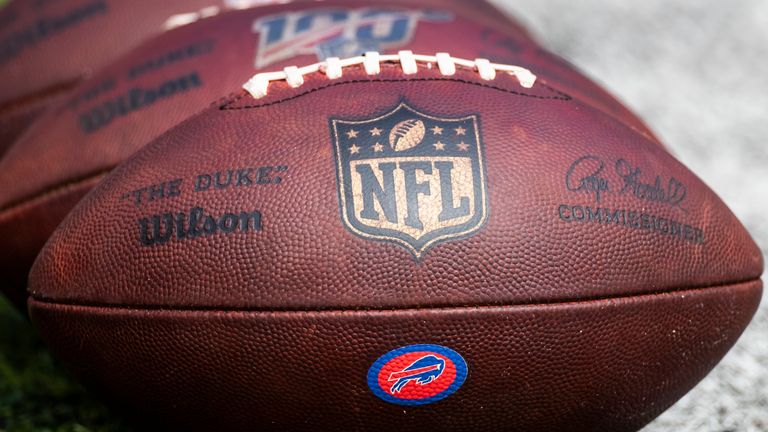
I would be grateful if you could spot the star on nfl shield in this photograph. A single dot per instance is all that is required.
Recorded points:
(411, 178)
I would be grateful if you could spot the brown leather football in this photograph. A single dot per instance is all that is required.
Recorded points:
(47, 47)
(168, 79)
(403, 241)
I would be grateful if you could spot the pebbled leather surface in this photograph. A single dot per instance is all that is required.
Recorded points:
(604, 365)
(47, 47)
(525, 253)
(20, 230)
(565, 325)
(220, 53)
(16, 119)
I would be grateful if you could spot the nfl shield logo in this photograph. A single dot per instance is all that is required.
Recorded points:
(411, 178)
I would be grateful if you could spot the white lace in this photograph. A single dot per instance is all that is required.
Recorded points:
(333, 68)
(183, 19)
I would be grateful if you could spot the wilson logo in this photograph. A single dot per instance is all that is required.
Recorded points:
(411, 178)
(417, 374)
(337, 32)
(162, 228)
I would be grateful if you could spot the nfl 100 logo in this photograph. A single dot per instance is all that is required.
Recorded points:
(411, 178)
(337, 32)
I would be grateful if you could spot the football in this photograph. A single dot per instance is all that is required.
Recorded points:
(48, 47)
(407, 134)
(175, 75)
(532, 262)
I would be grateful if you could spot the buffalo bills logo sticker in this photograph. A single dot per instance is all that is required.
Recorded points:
(411, 178)
(417, 374)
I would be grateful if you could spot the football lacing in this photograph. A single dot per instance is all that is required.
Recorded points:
(333, 68)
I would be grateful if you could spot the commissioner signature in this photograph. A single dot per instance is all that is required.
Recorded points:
(588, 175)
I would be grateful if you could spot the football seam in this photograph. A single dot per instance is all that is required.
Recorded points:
(16, 205)
(26, 102)
(563, 96)
(596, 299)
(227, 106)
